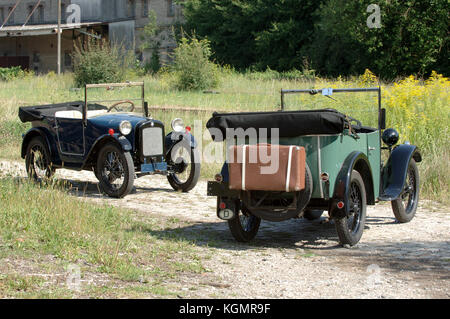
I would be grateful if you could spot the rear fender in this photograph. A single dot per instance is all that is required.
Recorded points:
(394, 173)
(45, 134)
(355, 161)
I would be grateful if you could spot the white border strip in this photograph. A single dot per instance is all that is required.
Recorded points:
(288, 176)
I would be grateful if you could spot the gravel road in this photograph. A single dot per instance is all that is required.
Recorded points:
(296, 258)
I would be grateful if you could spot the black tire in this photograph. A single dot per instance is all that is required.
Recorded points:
(186, 171)
(350, 228)
(244, 226)
(37, 160)
(405, 207)
(115, 170)
(312, 214)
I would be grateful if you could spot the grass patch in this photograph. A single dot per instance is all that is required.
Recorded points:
(46, 221)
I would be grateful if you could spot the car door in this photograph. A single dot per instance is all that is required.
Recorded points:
(374, 156)
(70, 136)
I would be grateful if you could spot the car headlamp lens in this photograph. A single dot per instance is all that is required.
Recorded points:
(125, 127)
(178, 125)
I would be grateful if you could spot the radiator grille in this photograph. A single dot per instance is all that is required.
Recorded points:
(152, 141)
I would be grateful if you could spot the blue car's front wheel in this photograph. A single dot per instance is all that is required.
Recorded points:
(115, 171)
(185, 167)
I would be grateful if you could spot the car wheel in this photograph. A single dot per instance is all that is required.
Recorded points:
(312, 214)
(243, 226)
(185, 167)
(405, 207)
(115, 170)
(350, 228)
(37, 160)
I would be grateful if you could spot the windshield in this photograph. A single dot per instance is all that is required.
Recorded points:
(116, 97)
(360, 104)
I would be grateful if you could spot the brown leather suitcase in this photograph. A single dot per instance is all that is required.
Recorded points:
(251, 170)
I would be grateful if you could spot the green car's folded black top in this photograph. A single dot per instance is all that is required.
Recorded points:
(289, 123)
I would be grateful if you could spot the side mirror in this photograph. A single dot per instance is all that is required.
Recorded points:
(383, 119)
(390, 137)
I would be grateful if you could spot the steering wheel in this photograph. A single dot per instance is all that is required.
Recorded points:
(114, 106)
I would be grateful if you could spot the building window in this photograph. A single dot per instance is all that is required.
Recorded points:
(2, 16)
(40, 14)
(145, 8)
(131, 9)
(31, 19)
(170, 8)
(63, 13)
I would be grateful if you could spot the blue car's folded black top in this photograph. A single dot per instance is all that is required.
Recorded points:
(39, 112)
(289, 123)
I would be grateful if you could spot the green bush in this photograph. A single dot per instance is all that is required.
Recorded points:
(192, 68)
(8, 74)
(98, 61)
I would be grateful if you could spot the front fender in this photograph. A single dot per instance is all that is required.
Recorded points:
(174, 138)
(394, 172)
(358, 161)
(120, 140)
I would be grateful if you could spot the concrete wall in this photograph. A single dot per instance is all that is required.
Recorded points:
(122, 34)
(41, 51)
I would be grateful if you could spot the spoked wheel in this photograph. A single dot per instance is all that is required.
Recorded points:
(185, 164)
(243, 226)
(115, 171)
(350, 228)
(405, 207)
(37, 160)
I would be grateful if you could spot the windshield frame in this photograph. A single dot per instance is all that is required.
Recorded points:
(326, 92)
(112, 86)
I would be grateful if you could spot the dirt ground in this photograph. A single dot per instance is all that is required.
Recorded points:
(296, 258)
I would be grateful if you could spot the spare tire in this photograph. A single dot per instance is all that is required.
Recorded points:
(279, 213)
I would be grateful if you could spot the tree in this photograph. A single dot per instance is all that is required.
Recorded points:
(413, 38)
(333, 34)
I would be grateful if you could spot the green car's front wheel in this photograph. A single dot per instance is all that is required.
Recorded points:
(405, 207)
(351, 227)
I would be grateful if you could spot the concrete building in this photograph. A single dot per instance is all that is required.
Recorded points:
(28, 28)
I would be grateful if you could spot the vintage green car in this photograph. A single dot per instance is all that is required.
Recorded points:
(344, 169)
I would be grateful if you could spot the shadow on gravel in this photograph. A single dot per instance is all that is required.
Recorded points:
(293, 234)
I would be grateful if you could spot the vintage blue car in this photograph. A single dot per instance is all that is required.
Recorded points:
(116, 139)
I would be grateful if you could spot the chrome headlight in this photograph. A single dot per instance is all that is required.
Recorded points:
(125, 127)
(178, 125)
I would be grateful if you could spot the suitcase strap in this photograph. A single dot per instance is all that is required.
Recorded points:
(244, 155)
(288, 175)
